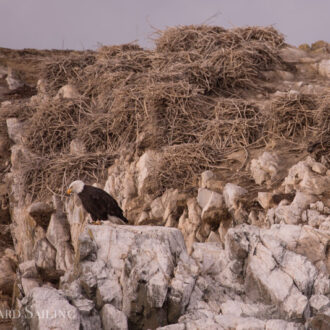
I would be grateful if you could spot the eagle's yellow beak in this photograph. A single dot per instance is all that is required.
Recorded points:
(69, 191)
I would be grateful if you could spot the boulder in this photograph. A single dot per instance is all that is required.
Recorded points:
(13, 80)
(67, 92)
(120, 266)
(232, 194)
(28, 269)
(302, 178)
(265, 168)
(292, 214)
(45, 259)
(189, 222)
(145, 169)
(213, 206)
(15, 130)
(113, 319)
(210, 181)
(46, 308)
(324, 68)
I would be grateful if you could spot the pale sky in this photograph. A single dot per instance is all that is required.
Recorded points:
(86, 24)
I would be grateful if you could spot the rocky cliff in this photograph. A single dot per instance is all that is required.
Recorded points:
(216, 145)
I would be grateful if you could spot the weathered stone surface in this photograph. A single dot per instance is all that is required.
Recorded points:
(163, 209)
(210, 181)
(28, 284)
(28, 269)
(189, 223)
(265, 168)
(64, 256)
(109, 291)
(15, 130)
(292, 214)
(324, 68)
(58, 230)
(264, 199)
(128, 272)
(113, 319)
(319, 303)
(47, 309)
(213, 206)
(265, 282)
(302, 178)
(13, 80)
(67, 92)
(45, 257)
(145, 168)
(231, 194)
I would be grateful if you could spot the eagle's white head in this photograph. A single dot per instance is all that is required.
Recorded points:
(75, 187)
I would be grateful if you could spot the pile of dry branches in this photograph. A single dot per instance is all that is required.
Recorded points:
(182, 98)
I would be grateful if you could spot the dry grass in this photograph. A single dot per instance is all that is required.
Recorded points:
(182, 98)
(299, 116)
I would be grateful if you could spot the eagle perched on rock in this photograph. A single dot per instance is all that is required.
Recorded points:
(98, 203)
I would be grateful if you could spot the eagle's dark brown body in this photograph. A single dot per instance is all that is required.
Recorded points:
(100, 204)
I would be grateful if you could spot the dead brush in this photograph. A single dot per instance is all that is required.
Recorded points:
(53, 125)
(293, 117)
(181, 98)
(205, 39)
(61, 70)
(45, 176)
(231, 124)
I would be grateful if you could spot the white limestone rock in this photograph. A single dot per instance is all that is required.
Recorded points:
(145, 168)
(28, 269)
(212, 204)
(265, 168)
(58, 230)
(15, 129)
(45, 257)
(264, 199)
(302, 178)
(163, 208)
(189, 222)
(324, 68)
(210, 181)
(315, 218)
(28, 284)
(134, 276)
(319, 302)
(50, 310)
(113, 319)
(231, 194)
(292, 214)
(13, 80)
(265, 282)
(283, 325)
(67, 92)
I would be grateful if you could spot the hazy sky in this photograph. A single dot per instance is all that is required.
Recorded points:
(85, 24)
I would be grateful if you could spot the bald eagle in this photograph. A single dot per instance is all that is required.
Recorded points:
(98, 203)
